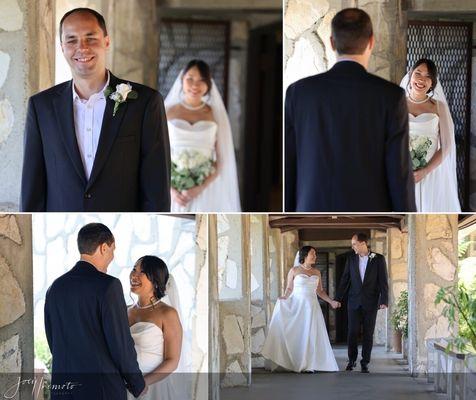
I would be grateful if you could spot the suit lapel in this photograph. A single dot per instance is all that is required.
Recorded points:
(63, 106)
(109, 130)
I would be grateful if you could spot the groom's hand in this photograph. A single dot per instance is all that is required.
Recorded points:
(383, 306)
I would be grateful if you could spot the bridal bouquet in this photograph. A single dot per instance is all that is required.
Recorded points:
(190, 168)
(419, 147)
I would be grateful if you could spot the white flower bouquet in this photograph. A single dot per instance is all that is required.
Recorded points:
(190, 168)
(419, 146)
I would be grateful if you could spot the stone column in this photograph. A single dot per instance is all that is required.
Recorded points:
(234, 278)
(16, 299)
(26, 54)
(201, 336)
(397, 273)
(378, 241)
(433, 264)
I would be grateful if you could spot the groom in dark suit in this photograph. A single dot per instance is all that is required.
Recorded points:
(346, 132)
(87, 327)
(365, 284)
(84, 151)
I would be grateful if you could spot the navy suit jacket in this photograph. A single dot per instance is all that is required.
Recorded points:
(372, 292)
(346, 144)
(89, 337)
(131, 170)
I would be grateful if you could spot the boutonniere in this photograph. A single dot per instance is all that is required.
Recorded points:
(123, 92)
(372, 255)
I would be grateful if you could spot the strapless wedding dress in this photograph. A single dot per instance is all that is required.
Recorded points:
(201, 137)
(149, 345)
(297, 335)
(430, 195)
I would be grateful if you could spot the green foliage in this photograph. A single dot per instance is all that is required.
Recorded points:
(42, 352)
(419, 147)
(190, 169)
(460, 310)
(400, 314)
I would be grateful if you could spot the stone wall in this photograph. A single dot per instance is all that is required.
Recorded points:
(307, 29)
(472, 168)
(16, 299)
(433, 264)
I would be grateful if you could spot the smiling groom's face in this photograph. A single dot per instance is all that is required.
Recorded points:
(84, 45)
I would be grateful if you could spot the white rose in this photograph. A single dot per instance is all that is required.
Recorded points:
(123, 89)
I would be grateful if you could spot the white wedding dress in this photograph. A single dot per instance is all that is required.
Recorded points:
(149, 345)
(297, 335)
(432, 194)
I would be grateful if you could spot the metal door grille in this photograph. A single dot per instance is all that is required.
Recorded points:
(448, 44)
(184, 40)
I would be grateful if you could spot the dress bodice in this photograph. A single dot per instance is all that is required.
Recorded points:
(425, 125)
(305, 284)
(200, 136)
(149, 345)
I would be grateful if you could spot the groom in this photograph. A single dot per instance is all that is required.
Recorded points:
(365, 284)
(346, 132)
(84, 151)
(87, 327)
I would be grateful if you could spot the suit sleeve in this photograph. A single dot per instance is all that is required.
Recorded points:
(119, 339)
(155, 158)
(344, 283)
(33, 182)
(48, 330)
(399, 170)
(290, 153)
(383, 282)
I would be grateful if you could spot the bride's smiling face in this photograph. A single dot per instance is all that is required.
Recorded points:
(140, 284)
(194, 86)
(311, 257)
(421, 81)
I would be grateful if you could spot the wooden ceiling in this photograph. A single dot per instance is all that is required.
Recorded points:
(354, 222)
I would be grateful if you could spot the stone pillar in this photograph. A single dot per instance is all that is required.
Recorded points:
(16, 299)
(378, 243)
(307, 29)
(201, 336)
(234, 278)
(397, 273)
(213, 310)
(433, 264)
(290, 247)
(26, 54)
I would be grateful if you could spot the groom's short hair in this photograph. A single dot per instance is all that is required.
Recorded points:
(351, 31)
(92, 235)
(84, 10)
(361, 237)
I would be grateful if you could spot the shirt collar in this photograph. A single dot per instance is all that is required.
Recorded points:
(101, 92)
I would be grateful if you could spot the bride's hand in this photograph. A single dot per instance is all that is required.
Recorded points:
(335, 304)
(419, 174)
(282, 298)
(178, 197)
(191, 193)
(144, 392)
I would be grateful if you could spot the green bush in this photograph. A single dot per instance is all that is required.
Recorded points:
(400, 314)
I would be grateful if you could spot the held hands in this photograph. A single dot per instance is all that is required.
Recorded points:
(144, 392)
(282, 297)
(419, 174)
(335, 304)
(383, 306)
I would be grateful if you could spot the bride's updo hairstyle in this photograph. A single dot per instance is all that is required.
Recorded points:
(432, 72)
(157, 272)
(304, 251)
(204, 71)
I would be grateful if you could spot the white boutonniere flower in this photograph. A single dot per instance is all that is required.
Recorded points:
(372, 255)
(122, 93)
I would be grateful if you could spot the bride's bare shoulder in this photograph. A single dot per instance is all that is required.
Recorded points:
(173, 111)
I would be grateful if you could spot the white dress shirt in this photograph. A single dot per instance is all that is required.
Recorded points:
(88, 116)
(363, 265)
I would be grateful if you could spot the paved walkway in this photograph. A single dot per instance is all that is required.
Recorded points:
(388, 379)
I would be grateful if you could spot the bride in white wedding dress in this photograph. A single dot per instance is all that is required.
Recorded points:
(432, 140)
(200, 134)
(297, 335)
(156, 330)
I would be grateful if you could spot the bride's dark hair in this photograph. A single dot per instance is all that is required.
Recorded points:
(204, 71)
(304, 251)
(157, 272)
(432, 72)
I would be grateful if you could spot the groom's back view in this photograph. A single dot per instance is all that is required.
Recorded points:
(87, 327)
(346, 137)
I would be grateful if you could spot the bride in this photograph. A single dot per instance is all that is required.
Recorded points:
(432, 140)
(155, 328)
(200, 138)
(297, 335)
